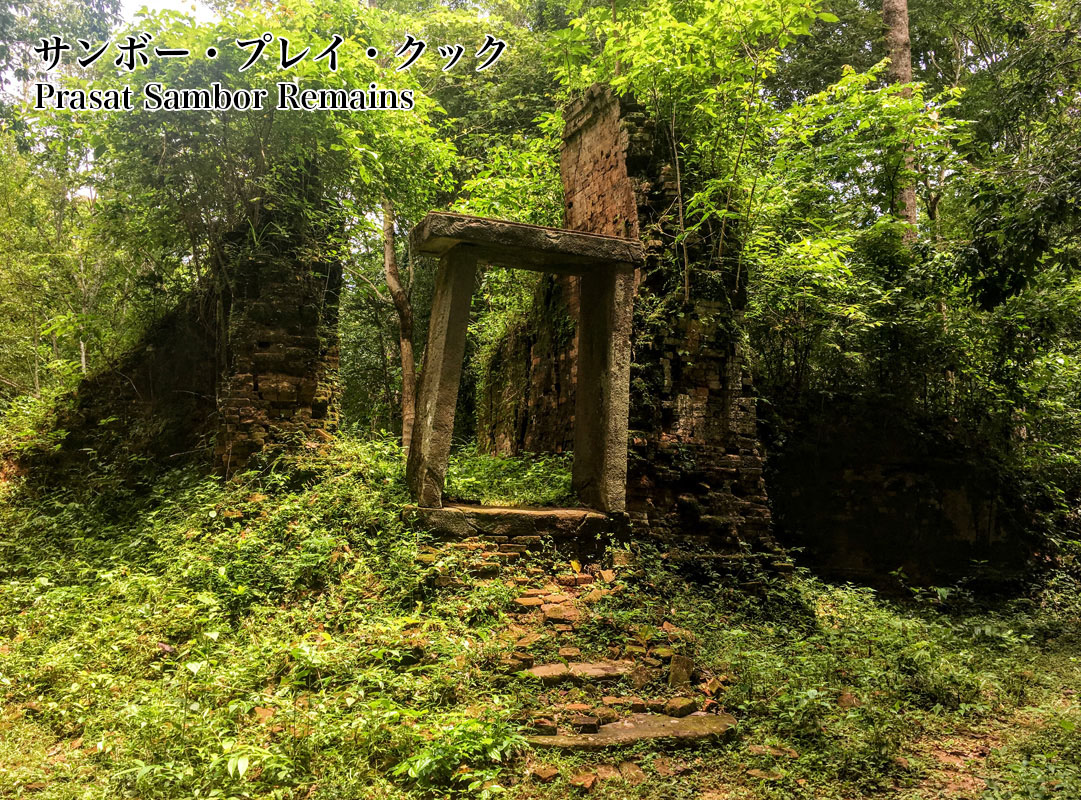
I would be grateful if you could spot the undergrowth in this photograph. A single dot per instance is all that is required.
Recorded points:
(529, 479)
(275, 637)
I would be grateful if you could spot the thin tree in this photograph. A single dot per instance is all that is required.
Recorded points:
(400, 297)
(899, 48)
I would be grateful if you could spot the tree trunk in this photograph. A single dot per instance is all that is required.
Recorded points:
(899, 48)
(405, 325)
(37, 376)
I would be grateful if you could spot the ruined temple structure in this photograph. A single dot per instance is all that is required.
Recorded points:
(689, 467)
(632, 358)
(280, 383)
(695, 465)
(244, 365)
(604, 266)
(647, 384)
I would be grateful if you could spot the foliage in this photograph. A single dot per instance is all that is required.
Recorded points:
(23, 24)
(481, 747)
(276, 636)
(529, 479)
(520, 182)
(789, 175)
(1044, 765)
(27, 425)
(276, 632)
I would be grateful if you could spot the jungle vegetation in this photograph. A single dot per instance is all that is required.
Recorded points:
(906, 207)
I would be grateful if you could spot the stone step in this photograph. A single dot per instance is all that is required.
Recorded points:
(642, 727)
(477, 568)
(586, 717)
(581, 672)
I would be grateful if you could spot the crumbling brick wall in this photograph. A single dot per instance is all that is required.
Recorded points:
(695, 470)
(248, 361)
(864, 490)
(528, 404)
(695, 467)
(150, 410)
(599, 193)
(526, 397)
(281, 381)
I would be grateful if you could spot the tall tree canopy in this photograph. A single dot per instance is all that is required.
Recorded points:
(906, 231)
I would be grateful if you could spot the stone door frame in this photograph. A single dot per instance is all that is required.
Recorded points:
(605, 266)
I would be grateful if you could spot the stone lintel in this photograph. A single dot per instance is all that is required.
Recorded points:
(520, 246)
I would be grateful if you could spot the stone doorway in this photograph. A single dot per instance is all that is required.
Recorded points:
(605, 266)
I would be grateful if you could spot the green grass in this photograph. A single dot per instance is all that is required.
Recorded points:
(529, 479)
(274, 637)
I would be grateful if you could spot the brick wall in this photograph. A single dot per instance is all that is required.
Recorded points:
(281, 381)
(526, 402)
(695, 471)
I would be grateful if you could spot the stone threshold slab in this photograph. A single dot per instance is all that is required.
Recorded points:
(551, 674)
(640, 728)
(465, 521)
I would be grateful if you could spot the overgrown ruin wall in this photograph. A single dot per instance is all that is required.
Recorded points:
(526, 402)
(695, 471)
(864, 492)
(281, 381)
(264, 377)
(150, 410)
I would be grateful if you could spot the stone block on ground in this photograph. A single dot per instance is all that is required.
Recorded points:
(583, 780)
(542, 773)
(588, 672)
(582, 723)
(643, 727)
(680, 706)
(632, 773)
(641, 676)
(526, 526)
(607, 772)
(558, 612)
(542, 726)
(605, 715)
(529, 640)
(551, 674)
(599, 671)
(680, 670)
(594, 596)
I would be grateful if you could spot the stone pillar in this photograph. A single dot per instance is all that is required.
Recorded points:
(433, 427)
(604, 366)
